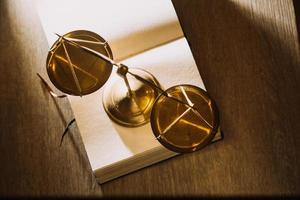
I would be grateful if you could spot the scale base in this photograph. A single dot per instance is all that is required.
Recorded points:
(133, 108)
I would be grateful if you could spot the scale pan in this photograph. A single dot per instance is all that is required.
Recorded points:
(181, 128)
(74, 71)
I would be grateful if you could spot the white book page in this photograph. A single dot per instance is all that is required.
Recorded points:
(106, 142)
(130, 26)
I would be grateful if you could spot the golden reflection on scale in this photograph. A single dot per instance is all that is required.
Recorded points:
(183, 118)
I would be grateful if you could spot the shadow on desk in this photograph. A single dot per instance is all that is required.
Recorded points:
(32, 162)
(296, 4)
(247, 54)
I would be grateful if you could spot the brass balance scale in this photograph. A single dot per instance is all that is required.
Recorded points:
(183, 118)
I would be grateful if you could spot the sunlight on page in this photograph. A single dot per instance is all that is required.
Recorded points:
(143, 23)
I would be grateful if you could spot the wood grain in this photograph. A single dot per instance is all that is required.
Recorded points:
(248, 55)
(32, 162)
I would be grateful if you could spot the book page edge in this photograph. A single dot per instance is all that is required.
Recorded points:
(138, 161)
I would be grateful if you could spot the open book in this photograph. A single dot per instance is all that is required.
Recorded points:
(141, 33)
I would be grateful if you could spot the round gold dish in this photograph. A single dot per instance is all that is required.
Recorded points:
(77, 72)
(130, 108)
(182, 128)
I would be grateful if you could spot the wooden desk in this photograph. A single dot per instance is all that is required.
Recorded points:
(248, 56)
(31, 160)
